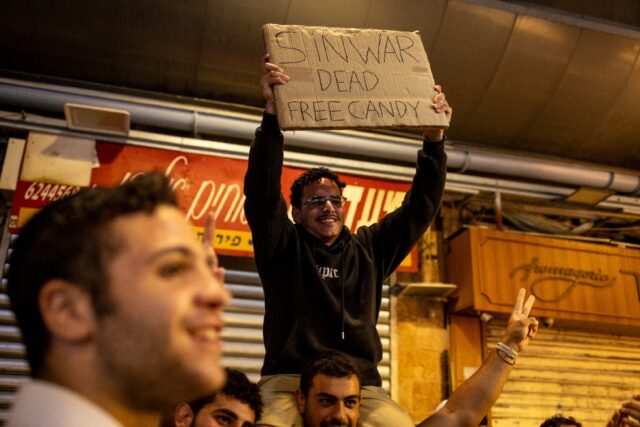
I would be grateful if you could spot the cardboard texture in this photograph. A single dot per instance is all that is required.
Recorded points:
(351, 78)
(11, 166)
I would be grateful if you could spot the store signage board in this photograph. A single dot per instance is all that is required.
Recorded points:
(572, 280)
(207, 183)
(351, 78)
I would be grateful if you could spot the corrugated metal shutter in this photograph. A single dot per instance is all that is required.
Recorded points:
(14, 369)
(243, 348)
(579, 374)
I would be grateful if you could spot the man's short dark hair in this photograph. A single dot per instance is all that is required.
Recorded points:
(237, 387)
(559, 421)
(309, 177)
(70, 240)
(330, 363)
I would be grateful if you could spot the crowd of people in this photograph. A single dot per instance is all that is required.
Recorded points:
(120, 307)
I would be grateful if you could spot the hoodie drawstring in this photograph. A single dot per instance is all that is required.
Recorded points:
(342, 285)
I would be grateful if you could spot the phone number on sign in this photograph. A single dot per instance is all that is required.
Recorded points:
(49, 192)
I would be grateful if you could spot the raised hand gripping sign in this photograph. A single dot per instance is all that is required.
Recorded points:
(351, 78)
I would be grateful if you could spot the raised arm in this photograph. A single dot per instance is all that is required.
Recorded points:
(440, 105)
(474, 398)
(628, 415)
(262, 180)
(271, 75)
(265, 208)
(393, 237)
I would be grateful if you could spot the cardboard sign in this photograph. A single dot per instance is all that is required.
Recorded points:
(351, 78)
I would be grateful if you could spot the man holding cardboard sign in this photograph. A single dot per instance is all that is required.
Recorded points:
(322, 284)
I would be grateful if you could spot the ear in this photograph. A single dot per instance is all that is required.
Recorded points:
(296, 214)
(67, 311)
(184, 415)
(300, 400)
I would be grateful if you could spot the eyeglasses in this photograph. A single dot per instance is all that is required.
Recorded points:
(320, 201)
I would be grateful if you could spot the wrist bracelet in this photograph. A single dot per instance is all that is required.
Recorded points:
(506, 353)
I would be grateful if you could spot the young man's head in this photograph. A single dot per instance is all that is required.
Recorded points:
(238, 404)
(317, 203)
(560, 421)
(117, 299)
(329, 393)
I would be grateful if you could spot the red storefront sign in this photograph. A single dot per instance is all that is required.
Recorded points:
(208, 183)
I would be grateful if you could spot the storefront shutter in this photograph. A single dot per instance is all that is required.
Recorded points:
(580, 374)
(14, 369)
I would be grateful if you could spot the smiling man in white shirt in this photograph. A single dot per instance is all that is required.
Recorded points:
(120, 309)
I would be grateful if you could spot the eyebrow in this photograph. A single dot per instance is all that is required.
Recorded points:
(319, 196)
(229, 413)
(182, 250)
(323, 394)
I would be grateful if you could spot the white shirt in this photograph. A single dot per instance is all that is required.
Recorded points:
(41, 403)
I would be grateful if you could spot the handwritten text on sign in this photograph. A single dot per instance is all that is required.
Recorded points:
(350, 78)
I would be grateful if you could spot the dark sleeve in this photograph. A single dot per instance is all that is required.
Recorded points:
(395, 235)
(264, 207)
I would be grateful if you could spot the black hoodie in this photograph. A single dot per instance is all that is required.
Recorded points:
(320, 297)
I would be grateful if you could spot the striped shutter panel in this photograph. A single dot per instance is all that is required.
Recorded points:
(14, 369)
(242, 336)
(579, 374)
(243, 347)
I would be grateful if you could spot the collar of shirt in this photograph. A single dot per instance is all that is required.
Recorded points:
(41, 403)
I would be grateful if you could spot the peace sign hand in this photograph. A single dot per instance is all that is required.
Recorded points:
(630, 412)
(520, 328)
